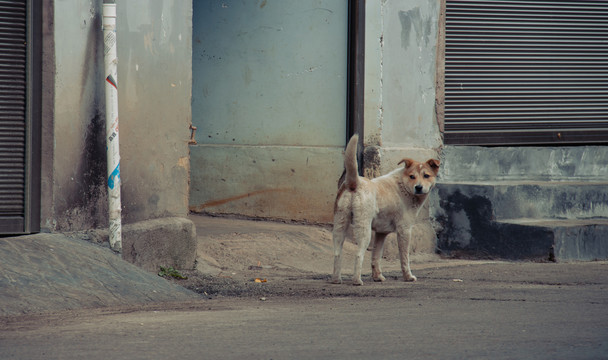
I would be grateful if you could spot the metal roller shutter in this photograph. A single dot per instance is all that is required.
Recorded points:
(526, 72)
(15, 120)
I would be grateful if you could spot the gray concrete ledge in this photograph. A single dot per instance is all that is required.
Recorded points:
(539, 199)
(160, 242)
(476, 163)
(149, 244)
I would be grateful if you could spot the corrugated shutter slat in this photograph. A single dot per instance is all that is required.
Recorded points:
(12, 114)
(526, 72)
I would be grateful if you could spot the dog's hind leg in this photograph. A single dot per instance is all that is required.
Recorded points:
(404, 234)
(341, 223)
(376, 255)
(363, 235)
(338, 236)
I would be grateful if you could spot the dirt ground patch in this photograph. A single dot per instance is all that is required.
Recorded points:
(248, 258)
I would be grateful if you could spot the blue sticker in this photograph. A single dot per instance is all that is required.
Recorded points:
(114, 177)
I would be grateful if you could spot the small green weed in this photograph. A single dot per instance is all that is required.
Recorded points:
(171, 272)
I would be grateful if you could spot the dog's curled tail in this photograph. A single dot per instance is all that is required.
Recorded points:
(350, 163)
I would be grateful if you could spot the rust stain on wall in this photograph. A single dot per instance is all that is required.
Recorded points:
(212, 203)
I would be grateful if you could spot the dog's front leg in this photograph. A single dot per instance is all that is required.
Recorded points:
(363, 235)
(376, 255)
(404, 233)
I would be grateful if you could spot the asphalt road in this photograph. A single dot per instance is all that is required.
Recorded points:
(472, 311)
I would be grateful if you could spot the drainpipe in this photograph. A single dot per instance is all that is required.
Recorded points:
(113, 154)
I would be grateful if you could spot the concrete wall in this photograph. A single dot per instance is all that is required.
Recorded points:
(77, 198)
(400, 67)
(155, 57)
(269, 102)
(154, 82)
(267, 73)
(231, 174)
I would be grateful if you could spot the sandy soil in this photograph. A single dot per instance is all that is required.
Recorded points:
(234, 253)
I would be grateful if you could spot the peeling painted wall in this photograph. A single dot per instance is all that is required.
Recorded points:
(241, 100)
(154, 82)
(79, 198)
(269, 101)
(155, 70)
(270, 73)
(400, 67)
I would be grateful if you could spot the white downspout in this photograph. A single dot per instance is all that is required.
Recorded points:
(112, 148)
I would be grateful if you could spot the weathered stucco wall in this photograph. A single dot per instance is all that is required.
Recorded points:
(400, 67)
(155, 71)
(401, 38)
(269, 102)
(154, 82)
(409, 52)
(79, 199)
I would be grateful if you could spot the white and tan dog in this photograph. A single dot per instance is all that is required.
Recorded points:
(389, 203)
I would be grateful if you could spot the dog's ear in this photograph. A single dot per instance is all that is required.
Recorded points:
(434, 164)
(408, 162)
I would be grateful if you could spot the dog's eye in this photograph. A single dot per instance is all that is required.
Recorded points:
(426, 176)
(412, 177)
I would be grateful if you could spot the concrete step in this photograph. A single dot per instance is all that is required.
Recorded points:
(533, 199)
(523, 220)
(529, 239)
(571, 239)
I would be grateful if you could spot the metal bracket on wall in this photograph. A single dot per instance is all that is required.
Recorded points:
(192, 141)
